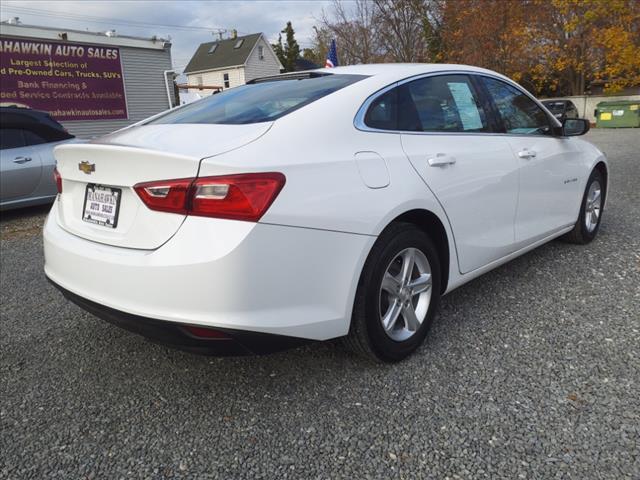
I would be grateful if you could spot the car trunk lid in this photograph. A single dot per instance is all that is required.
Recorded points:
(98, 201)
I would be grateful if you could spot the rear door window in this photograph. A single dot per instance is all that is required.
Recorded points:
(443, 103)
(557, 108)
(32, 138)
(259, 102)
(11, 138)
(447, 103)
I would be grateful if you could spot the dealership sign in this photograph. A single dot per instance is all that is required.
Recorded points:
(70, 81)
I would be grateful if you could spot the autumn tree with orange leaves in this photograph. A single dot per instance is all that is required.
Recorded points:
(553, 47)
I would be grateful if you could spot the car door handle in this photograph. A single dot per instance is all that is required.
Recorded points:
(527, 153)
(22, 160)
(441, 160)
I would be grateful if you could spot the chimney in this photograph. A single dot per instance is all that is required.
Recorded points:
(234, 34)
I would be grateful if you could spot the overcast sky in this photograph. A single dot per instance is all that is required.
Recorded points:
(151, 17)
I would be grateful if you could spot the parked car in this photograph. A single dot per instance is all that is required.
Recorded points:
(561, 109)
(309, 206)
(27, 139)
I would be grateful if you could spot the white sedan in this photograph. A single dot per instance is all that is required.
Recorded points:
(315, 205)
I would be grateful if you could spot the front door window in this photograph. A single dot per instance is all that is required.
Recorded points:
(519, 114)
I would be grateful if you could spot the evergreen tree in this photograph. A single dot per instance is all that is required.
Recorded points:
(291, 51)
(278, 49)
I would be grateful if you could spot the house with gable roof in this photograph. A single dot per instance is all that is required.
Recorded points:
(231, 62)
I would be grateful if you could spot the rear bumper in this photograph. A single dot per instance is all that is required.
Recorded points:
(175, 335)
(223, 274)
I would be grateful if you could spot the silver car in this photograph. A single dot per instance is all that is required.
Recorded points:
(27, 139)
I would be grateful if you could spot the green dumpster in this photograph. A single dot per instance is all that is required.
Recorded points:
(618, 114)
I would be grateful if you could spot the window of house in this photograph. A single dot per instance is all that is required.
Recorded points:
(213, 48)
(225, 78)
(239, 43)
(260, 52)
(199, 80)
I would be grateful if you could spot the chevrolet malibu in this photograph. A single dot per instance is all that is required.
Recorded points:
(324, 204)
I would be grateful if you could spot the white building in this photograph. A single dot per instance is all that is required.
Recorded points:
(232, 62)
(92, 82)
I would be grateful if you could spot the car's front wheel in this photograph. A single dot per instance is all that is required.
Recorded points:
(397, 296)
(588, 224)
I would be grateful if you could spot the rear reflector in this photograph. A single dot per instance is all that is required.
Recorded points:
(203, 332)
(58, 179)
(237, 197)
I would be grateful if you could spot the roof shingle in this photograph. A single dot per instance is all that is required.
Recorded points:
(224, 55)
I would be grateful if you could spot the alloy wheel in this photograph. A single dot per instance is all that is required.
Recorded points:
(593, 206)
(405, 294)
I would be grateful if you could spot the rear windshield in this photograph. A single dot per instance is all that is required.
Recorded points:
(259, 102)
(554, 107)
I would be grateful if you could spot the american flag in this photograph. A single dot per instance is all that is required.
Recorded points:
(332, 56)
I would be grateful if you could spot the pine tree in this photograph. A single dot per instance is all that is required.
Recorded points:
(278, 49)
(291, 51)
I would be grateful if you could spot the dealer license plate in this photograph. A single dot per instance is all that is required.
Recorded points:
(101, 205)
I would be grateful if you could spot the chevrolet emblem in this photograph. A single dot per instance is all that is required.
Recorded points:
(87, 167)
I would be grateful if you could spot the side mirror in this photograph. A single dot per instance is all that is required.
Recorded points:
(572, 127)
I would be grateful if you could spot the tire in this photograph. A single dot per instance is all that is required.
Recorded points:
(367, 335)
(585, 229)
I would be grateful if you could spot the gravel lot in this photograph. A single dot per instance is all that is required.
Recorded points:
(532, 371)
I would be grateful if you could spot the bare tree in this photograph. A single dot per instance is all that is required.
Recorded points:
(400, 26)
(369, 31)
(353, 25)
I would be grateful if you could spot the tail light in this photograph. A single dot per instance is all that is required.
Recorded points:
(58, 179)
(237, 197)
(168, 196)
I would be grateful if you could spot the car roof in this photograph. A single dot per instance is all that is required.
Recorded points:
(35, 120)
(27, 114)
(405, 69)
(17, 109)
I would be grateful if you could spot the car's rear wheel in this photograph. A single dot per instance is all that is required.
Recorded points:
(588, 223)
(397, 295)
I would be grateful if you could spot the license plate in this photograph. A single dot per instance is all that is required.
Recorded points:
(101, 205)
